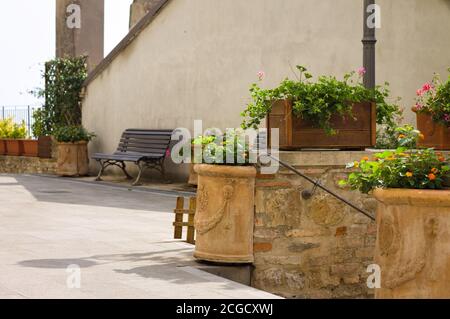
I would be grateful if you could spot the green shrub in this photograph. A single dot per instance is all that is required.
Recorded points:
(72, 134)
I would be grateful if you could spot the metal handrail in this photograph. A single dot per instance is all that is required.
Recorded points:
(291, 168)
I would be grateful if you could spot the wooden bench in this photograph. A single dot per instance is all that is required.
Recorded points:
(145, 148)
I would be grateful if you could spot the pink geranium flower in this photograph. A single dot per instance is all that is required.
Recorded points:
(418, 107)
(420, 92)
(362, 71)
(261, 75)
(427, 87)
(447, 117)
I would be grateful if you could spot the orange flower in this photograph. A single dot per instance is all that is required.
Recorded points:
(441, 159)
(365, 158)
(434, 170)
(401, 136)
(431, 177)
(409, 174)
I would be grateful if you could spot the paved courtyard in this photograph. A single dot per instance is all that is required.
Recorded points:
(120, 239)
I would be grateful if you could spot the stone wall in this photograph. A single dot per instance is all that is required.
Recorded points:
(27, 165)
(314, 248)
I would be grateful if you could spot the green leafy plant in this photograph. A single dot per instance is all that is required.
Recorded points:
(229, 149)
(72, 134)
(402, 168)
(9, 129)
(319, 101)
(64, 79)
(434, 99)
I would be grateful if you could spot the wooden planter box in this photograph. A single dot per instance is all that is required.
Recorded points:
(30, 148)
(14, 147)
(45, 146)
(2, 147)
(296, 133)
(436, 135)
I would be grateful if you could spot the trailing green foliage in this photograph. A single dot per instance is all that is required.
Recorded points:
(319, 101)
(9, 129)
(72, 134)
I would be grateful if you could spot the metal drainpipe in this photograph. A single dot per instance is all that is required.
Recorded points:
(369, 41)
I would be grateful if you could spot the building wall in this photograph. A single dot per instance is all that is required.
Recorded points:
(197, 59)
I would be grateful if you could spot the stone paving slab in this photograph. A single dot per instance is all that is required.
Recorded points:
(120, 239)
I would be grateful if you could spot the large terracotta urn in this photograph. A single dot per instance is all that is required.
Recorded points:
(73, 159)
(225, 213)
(413, 243)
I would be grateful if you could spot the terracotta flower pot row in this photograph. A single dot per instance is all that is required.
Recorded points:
(29, 148)
(14, 147)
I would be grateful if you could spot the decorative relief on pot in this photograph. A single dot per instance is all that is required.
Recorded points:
(390, 238)
(325, 211)
(433, 229)
(204, 224)
(401, 259)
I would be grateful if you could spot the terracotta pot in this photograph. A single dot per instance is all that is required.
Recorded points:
(73, 159)
(45, 145)
(2, 147)
(296, 133)
(30, 148)
(436, 135)
(14, 147)
(193, 176)
(413, 243)
(225, 213)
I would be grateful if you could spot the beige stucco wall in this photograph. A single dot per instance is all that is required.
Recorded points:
(197, 59)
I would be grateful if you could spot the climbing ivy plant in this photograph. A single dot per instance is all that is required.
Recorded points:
(64, 79)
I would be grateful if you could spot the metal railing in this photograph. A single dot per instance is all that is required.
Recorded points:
(20, 114)
(308, 194)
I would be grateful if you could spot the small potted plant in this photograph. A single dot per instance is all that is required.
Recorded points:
(72, 144)
(433, 113)
(327, 113)
(225, 199)
(412, 249)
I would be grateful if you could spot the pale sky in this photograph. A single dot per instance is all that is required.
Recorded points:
(27, 35)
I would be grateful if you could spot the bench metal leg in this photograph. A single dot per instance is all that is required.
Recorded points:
(141, 167)
(123, 166)
(102, 169)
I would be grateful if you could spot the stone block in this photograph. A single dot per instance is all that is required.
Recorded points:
(299, 247)
(262, 247)
(345, 269)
